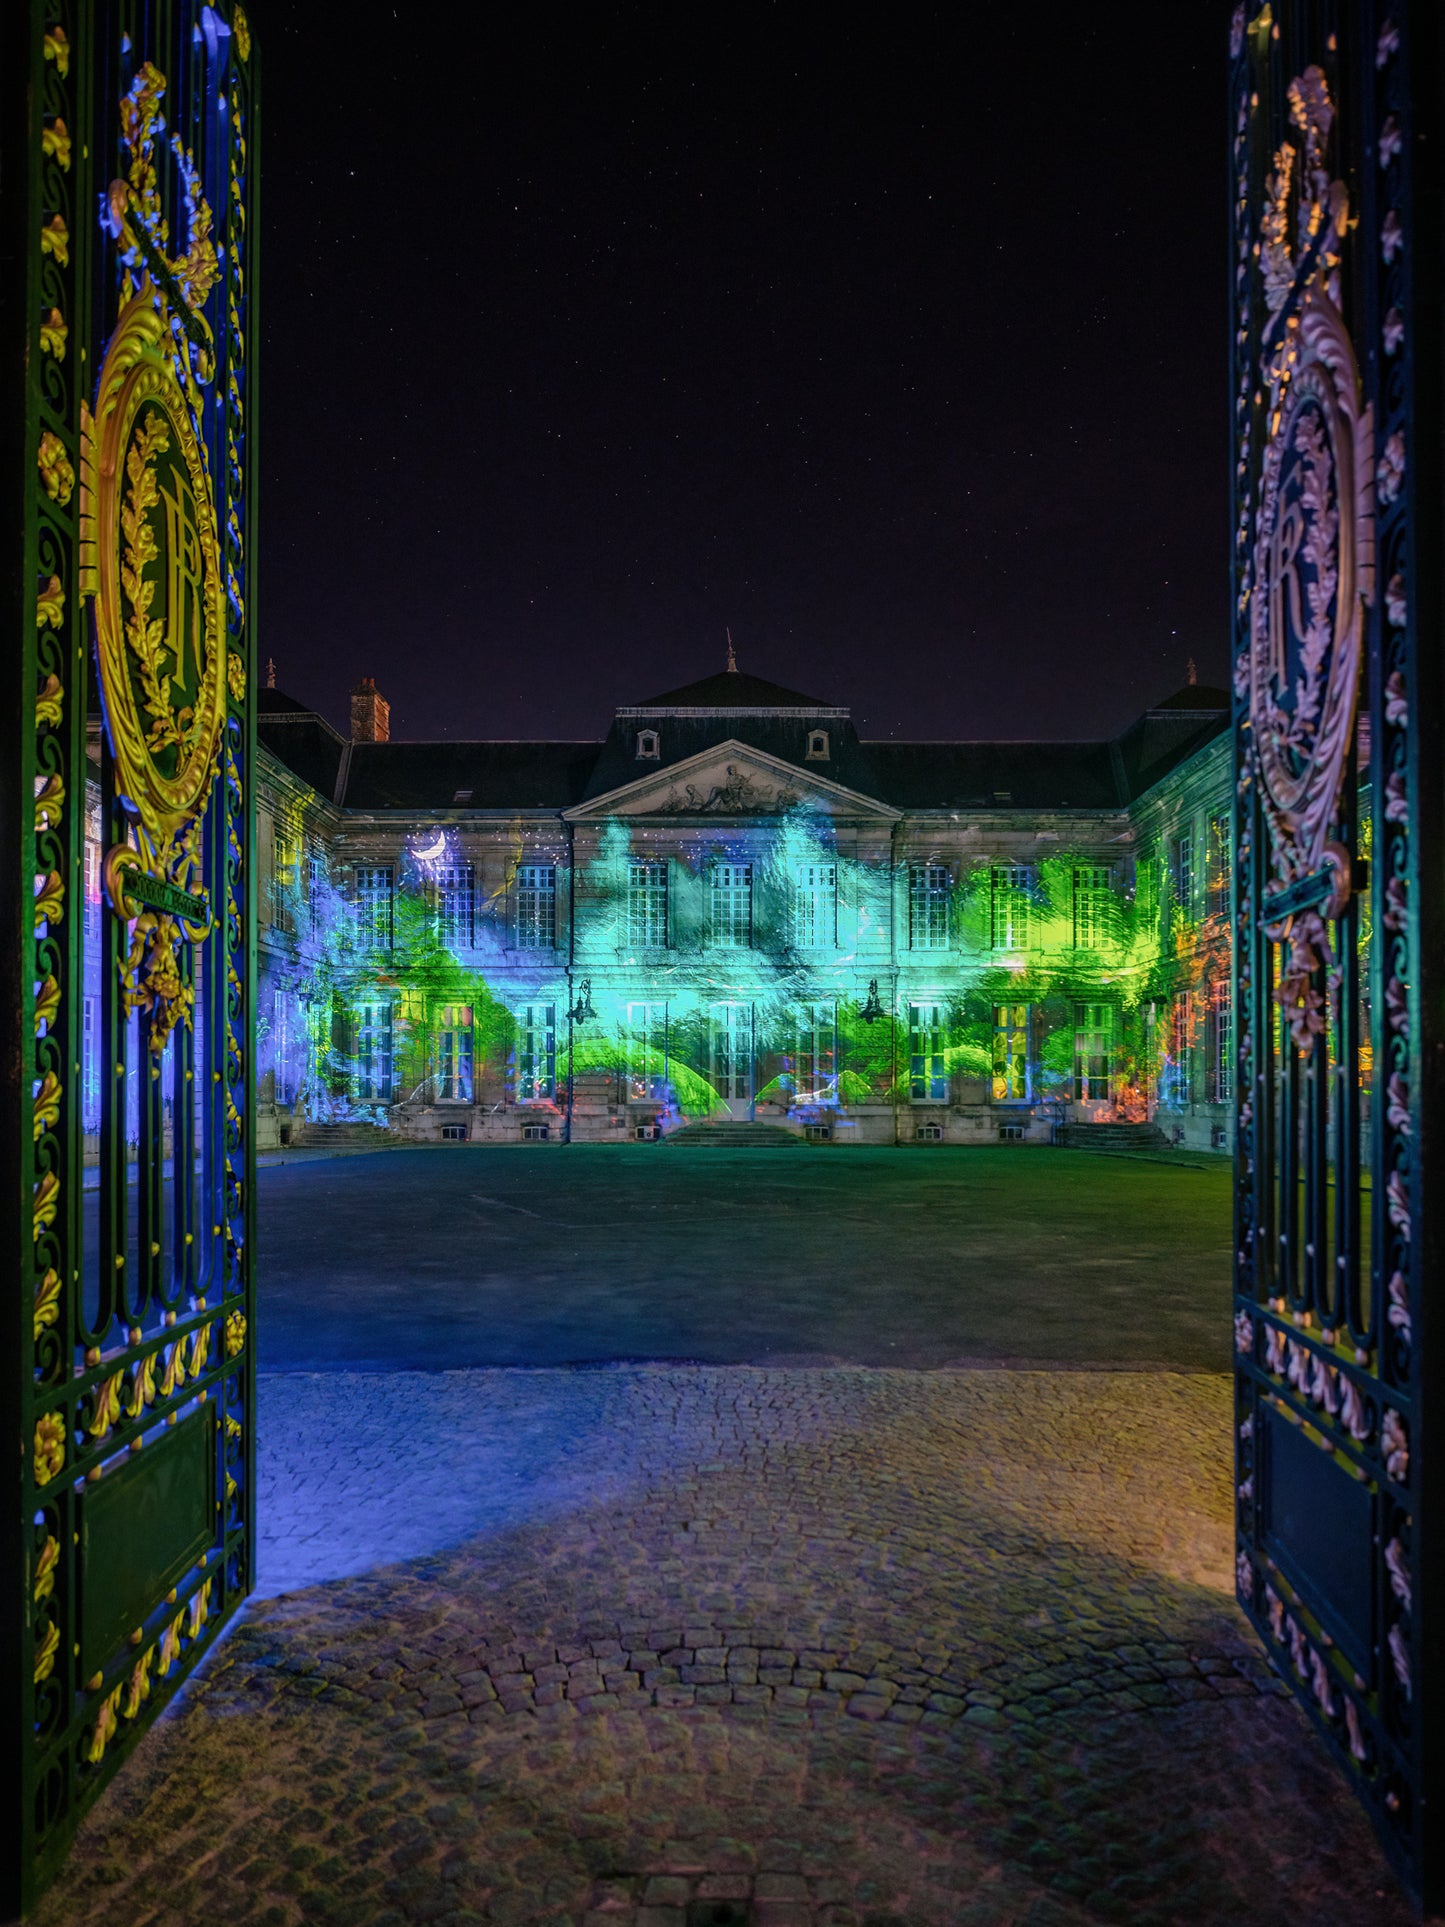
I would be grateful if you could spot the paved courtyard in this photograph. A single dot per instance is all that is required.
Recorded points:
(699, 1644)
(514, 1255)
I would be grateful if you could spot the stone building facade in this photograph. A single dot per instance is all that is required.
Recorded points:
(731, 906)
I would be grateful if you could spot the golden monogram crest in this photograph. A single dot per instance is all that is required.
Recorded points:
(150, 557)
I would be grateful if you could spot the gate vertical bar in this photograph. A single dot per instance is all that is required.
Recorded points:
(1339, 908)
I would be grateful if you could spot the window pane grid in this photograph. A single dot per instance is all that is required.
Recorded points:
(928, 893)
(647, 905)
(452, 894)
(536, 1052)
(815, 905)
(731, 916)
(1093, 900)
(1011, 1053)
(1093, 1051)
(927, 1043)
(373, 904)
(373, 1052)
(454, 1053)
(536, 906)
(1012, 887)
(815, 1062)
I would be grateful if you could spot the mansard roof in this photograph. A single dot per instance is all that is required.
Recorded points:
(731, 693)
(1099, 775)
(991, 776)
(477, 776)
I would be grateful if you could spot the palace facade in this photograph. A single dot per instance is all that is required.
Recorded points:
(733, 906)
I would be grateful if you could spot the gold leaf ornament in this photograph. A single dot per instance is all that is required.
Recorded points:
(54, 334)
(55, 144)
(241, 27)
(236, 676)
(49, 802)
(235, 1333)
(49, 901)
(103, 1732)
(47, 1003)
(138, 1686)
(105, 1406)
(47, 1104)
(57, 476)
(49, 1446)
(50, 612)
(57, 48)
(44, 1203)
(50, 703)
(55, 240)
(45, 1569)
(47, 1301)
(47, 1649)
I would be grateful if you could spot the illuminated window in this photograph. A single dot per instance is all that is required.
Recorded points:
(815, 1061)
(815, 905)
(1146, 892)
(315, 887)
(927, 1042)
(285, 864)
(1093, 901)
(817, 746)
(647, 905)
(1181, 871)
(1221, 1046)
(1093, 1050)
(928, 892)
(373, 904)
(730, 917)
(454, 1053)
(731, 1058)
(646, 1042)
(648, 747)
(1010, 896)
(91, 915)
(1011, 1083)
(286, 1039)
(536, 906)
(1221, 865)
(536, 1052)
(373, 1049)
(452, 895)
(1178, 1081)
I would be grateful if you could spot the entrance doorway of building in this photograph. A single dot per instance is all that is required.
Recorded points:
(731, 1049)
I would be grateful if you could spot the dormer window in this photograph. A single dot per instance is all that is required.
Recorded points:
(817, 745)
(647, 746)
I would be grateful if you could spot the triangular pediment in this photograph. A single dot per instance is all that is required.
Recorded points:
(731, 780)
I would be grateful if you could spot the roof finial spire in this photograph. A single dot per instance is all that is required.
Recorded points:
(270, 672)
(1193, 673)
(732, 659)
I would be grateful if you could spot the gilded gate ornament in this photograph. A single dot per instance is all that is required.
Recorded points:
(1313, 549)
(150, 556)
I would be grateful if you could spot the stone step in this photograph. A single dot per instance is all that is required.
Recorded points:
(736, 1134)
(1112, 1137)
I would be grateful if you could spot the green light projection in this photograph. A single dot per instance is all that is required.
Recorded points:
(1066, 979)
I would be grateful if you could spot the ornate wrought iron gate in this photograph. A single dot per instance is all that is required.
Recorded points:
(1336, 120)
(128, 299)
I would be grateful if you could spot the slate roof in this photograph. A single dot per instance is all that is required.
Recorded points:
(296, 736)
(1099, 775)
(730, 689)
(499, 776)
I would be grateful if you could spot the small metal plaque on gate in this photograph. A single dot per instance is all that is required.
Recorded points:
(1319, 1524)
(142, 1528)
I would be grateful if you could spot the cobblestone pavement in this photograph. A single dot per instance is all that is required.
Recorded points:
(723, 1646)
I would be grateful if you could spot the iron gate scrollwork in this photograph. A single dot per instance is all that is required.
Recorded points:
(1335, 120)
(129, 977)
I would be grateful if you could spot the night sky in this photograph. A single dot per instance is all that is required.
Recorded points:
(900, 350)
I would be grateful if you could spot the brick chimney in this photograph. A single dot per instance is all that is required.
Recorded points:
(370, 713)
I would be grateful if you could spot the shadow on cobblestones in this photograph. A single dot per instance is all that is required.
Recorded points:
(777, 1647)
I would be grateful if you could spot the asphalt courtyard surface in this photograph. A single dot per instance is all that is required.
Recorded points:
(474, 1256)
(720, 1644)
